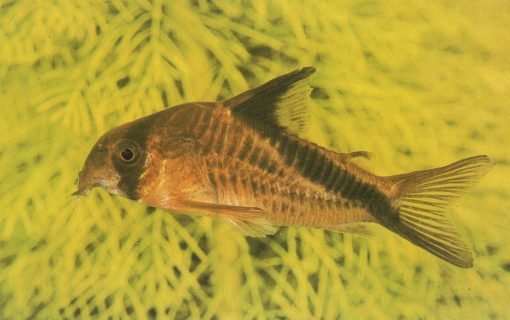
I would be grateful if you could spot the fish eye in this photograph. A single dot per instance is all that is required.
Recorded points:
(127, 151)
(127, 154)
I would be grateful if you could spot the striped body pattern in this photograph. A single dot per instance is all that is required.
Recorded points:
(297, 183)
(242, 160)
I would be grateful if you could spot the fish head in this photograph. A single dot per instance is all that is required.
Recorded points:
(115, 163)
(99, 171)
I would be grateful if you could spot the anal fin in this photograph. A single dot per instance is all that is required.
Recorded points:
(357, 228)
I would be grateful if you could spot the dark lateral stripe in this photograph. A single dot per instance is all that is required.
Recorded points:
(380, 207)
(290, 151)
(366, 191)
(299, 157)
(321, 167)
(281, 145)
(312, 163)
(347, 184)
(333, 177)
(339, 181)
(350, 187)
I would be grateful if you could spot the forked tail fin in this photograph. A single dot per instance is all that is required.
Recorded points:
(422, 197)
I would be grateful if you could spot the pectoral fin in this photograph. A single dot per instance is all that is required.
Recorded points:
(250, 221)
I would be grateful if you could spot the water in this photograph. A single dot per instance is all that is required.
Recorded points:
(419, 86)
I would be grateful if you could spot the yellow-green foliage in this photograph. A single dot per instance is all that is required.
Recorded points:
(418, 83)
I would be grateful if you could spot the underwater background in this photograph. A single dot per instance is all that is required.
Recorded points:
(418, 84)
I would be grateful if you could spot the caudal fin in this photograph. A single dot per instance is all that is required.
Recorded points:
(422, 198)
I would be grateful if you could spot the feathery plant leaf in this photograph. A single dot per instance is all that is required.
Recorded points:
(395, 80)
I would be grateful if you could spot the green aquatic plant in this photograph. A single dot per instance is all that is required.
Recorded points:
(418, 86)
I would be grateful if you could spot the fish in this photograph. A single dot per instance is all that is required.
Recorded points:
(242, 160)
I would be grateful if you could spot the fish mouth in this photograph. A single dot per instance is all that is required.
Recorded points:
(85, 184)
(97, 178)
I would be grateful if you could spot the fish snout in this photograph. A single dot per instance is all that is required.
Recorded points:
(85, 184)
(92, 176)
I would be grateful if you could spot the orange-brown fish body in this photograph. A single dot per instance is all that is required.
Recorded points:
(241, 160)
(218, 160)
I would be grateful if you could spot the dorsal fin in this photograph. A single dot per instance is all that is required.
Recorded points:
(281, 103)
